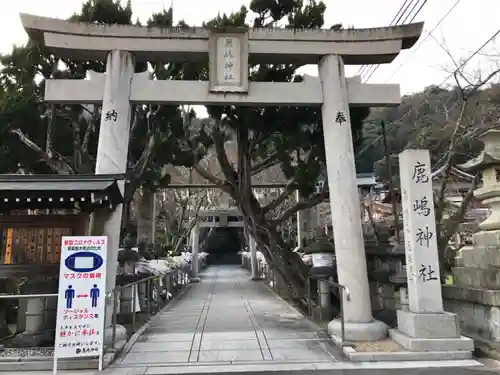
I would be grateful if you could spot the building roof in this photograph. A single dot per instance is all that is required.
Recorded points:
(84, 192)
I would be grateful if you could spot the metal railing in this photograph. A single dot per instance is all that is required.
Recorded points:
(15, 296)
(343, 292)
(145, 298)
(150, 294)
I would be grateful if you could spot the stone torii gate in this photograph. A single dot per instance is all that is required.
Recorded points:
(228, 217)
(230, 52)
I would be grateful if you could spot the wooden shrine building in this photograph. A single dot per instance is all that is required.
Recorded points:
(37, 210)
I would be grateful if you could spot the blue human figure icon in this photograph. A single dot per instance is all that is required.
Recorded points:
(69, 294)
(94, 295)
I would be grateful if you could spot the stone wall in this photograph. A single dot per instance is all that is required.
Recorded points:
(479, 311)
(387, 276)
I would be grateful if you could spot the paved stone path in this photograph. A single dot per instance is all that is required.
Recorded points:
(228, 319)
(228, 324)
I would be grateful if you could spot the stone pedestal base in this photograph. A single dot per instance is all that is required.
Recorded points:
(429, 326)
(120, 334)
(256, 278)
(430, 332)
(30, 339)
(371, 331)
(431, 345)
(195, 279)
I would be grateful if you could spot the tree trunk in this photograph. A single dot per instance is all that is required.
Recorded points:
(285, 264)
(144, 204)
(127, 211)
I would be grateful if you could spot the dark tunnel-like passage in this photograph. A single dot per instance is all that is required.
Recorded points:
(223, 245)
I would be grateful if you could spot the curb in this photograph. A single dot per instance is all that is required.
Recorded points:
(133, 339)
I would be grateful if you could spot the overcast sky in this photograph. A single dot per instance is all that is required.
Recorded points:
(467, 27)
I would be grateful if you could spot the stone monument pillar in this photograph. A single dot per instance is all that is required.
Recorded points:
(195, 249)
(345, 206)
(475, 294)
(425, 326)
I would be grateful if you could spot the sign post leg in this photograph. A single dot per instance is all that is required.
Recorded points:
(101, 362)
(54, 367)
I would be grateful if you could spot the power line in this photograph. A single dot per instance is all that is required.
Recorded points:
(455, 71)
(451, 75)
(401, 11)
(423, 40)
(406, 20)
(402, 14)
(367, 147)
(370, 69)
(410, 12)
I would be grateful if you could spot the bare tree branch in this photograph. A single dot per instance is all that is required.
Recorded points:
(57, 165)
(314, 200)
(289, 189)
(262, 165)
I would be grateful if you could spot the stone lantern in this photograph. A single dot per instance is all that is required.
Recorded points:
(322, 252)
(475, 294)
(128, 257)
(478, 266)
(323, 267)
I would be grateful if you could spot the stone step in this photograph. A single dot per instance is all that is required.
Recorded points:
(433, 344)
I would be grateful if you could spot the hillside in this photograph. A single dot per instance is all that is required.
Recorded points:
(429, 119)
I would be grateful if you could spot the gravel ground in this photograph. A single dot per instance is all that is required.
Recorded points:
(386, 345)
(26, 352)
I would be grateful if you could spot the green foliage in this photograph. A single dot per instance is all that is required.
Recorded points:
(105, 12)
(42, 138)
(298, 16)
(22, 108)
(289, 136)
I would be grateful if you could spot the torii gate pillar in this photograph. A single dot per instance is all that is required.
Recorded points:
(195, 251)
(112, 158)
(344, 206)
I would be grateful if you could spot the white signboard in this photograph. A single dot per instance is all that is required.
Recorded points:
(322, 260)
(81, 302)
(422, 262)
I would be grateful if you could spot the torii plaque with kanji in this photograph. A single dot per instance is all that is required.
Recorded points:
(229, 61)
